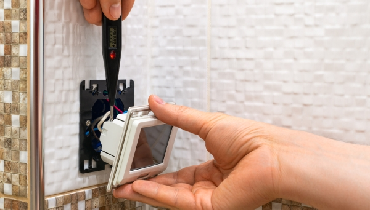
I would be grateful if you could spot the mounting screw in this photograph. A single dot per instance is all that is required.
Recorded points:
(88, 123)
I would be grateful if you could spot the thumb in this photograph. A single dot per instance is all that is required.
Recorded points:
(111, 8)
(194, 121)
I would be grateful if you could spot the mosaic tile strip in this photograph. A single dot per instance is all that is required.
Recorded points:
(10, 204)
(88, 199)
(97, 197)
(13, 97)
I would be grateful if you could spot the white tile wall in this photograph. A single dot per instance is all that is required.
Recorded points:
(298, 64)
(162, 54)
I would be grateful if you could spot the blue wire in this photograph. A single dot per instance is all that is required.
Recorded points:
(87, 132)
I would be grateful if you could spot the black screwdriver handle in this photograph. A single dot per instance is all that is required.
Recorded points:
(111, 46)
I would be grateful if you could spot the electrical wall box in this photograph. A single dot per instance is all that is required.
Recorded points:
(137, 145)
(93, 104)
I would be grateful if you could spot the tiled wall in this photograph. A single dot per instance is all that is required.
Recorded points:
(13, 103)
(294, 63)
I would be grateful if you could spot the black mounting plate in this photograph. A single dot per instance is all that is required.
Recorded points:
(88, 99)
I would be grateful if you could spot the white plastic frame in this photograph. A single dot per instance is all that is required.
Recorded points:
(135, 121)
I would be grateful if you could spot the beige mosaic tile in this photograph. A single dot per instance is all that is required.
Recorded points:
(13, 101)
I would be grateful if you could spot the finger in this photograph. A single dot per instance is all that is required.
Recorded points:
(185, 175)
(126, 7)
(94, 15)
(194, 121)
(88, 4)
(171, 196)
(111, 8)
(127, 192)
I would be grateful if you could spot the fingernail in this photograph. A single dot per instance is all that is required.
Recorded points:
(158, 100)
(115, 10)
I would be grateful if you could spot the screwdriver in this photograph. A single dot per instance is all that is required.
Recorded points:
(111, 46)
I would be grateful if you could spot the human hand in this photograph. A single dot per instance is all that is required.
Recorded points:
(255, 163)
(245, 169)
(112, 9)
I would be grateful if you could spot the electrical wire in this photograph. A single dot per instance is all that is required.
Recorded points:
(102, 121)
(93, 125)
(120, 111)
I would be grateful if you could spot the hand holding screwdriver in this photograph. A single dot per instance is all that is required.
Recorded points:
(112, 9)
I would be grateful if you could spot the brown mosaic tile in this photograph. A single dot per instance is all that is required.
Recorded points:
(8, 86)
(23, 98)
(8, 143)
(102, 190)
(7, 73)
(23, 133)
(15, 167)
(81, 195)
(102, 200)
(15, 96)
(15, 155)
(8, 37)
(23, 26)
(2, 60)
(15, 179)
(1, 119)
(7, 49)
(23, 14)
(15, 14)
(7, 203)
(15, 144)
(74, 198)
(23, 109)
(1, 177)
(7, 14)
(88, 205)
(22, 145)
(1, 4)
(2, 28)
(7, 108)
(23, 38)
(67, 199)
(15, 49)
(23, 191)
(108, 199)
(7, 166)
(7, 121)
(15, 4)
(15, 38)
(23, 74)
(23, 206)
(95, 202)
(15, 109)
(2, 187)
(23, 121)
(23, 62)
(8, 131)
(15, 61)
(59, 201)
(2, 37)
(23, 168)
(23, 3)
(7, 155)
(95, 193)
(15, 203)
(8, 27)
(15, 132)
(22, 180)
(74, 206)
(7, 178)
(7, 61)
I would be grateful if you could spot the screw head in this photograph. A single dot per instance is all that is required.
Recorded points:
(88, 123)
